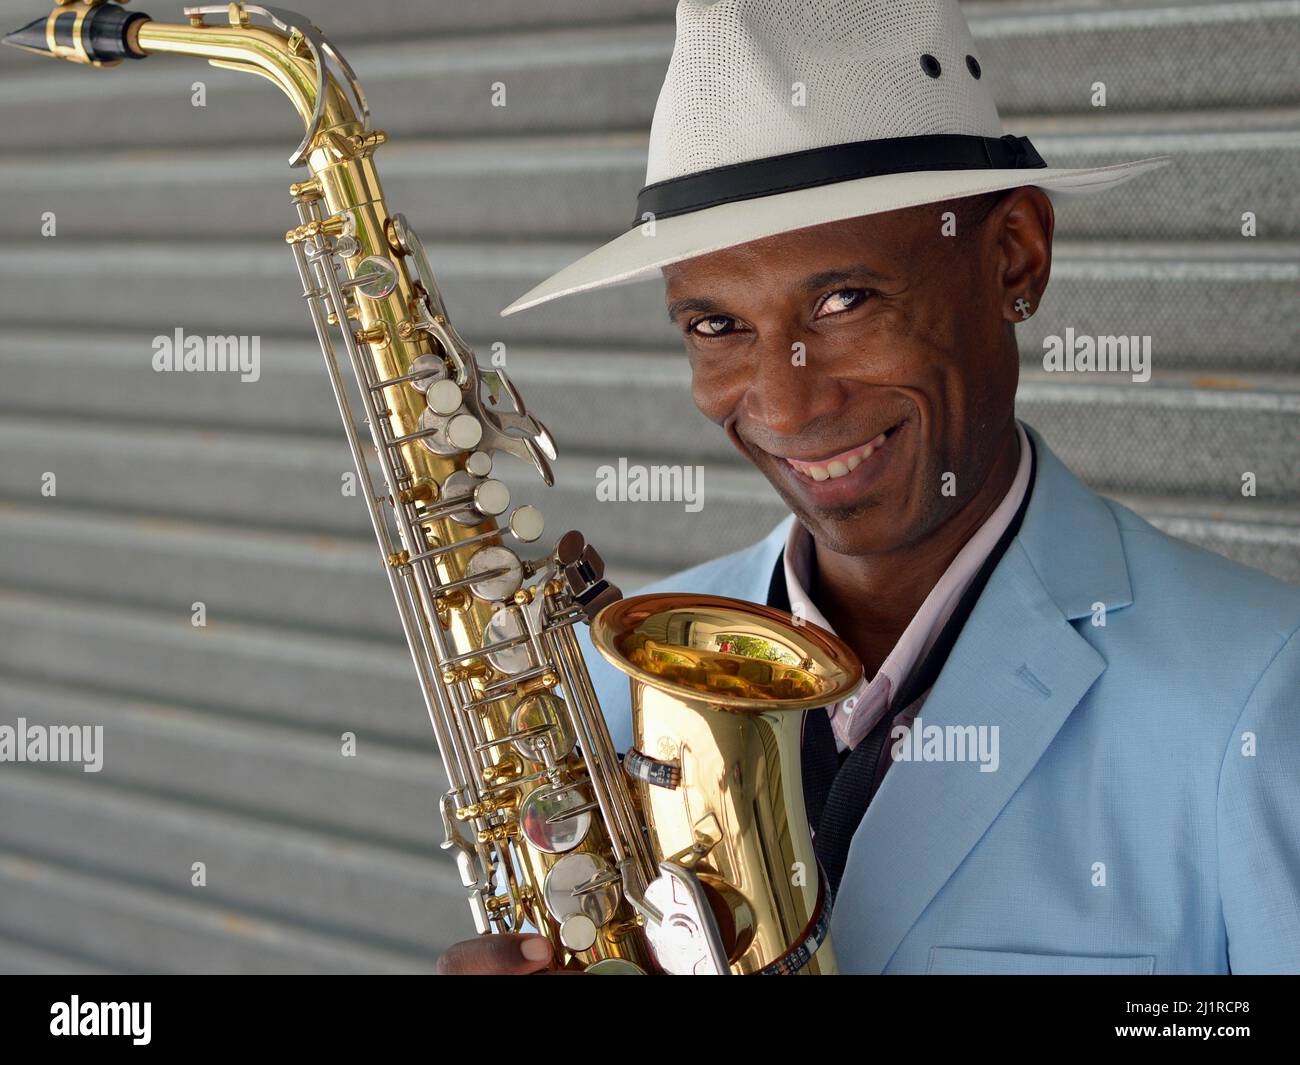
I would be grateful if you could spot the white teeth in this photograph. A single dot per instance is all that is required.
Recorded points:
(839, 467)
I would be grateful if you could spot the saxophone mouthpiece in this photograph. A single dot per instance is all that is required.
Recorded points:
(97, 32)
(31, 37)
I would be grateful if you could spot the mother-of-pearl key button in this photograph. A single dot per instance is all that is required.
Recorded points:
(464, 431)
(578, 932)
(444, 397)
(479, 464)
(491, 498)
(526, 524)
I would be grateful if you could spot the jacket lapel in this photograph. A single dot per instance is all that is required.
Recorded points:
(1019, 666)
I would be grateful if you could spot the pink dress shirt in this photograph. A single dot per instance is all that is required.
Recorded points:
(852, 718)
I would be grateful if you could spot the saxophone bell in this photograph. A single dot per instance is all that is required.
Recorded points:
(718, 688)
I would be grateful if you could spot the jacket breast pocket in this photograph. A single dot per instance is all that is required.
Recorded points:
(958, 960)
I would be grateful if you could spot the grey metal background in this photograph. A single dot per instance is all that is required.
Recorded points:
(222, 743)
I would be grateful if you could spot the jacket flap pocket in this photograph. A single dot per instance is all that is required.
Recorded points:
(955, 960)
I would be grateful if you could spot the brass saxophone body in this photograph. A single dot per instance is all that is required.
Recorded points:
(691, 856)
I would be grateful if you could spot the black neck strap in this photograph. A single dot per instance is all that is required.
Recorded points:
(838, 162)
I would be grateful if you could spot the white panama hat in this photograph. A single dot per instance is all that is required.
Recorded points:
(781, 114)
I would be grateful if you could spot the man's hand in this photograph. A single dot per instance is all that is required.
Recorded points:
(508, 954)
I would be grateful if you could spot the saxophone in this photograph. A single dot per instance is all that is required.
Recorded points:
(691, 854)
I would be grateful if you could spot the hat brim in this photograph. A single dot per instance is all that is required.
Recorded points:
(638, 256)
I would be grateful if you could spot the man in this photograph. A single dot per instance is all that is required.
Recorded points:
(847, 278)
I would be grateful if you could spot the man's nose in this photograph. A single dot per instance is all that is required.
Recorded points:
(788, 389)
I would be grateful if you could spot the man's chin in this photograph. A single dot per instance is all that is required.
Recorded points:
(862, 527)
(852, 534)
(869, 523)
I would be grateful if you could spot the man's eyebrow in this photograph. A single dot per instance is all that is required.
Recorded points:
(858, 272)
(702, 304)
(706, 305)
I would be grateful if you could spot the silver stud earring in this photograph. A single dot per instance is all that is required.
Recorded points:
(1022, 305)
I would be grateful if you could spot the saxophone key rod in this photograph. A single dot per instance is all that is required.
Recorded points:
(511, 683)
(603, 782)
(485, 649)
(439, 713)
(365, 377)
(404, 379)
(446, 549)
(445, 588)
(511, 737)
(440, 700)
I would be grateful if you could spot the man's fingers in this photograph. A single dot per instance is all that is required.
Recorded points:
(508, 954)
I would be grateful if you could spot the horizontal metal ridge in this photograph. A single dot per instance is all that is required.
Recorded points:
(132, 929)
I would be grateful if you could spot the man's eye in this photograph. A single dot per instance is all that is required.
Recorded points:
(843, 300)
(714, 326)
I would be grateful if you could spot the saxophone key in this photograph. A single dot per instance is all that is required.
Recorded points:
(484, 498)
(578, 932)
(550, 818)
(491, 498)
(542, 714)
(526, 524)
(565, 890)
(494, 573)
(444, 397)
(448, 436)
(376, 277)
(506, 643)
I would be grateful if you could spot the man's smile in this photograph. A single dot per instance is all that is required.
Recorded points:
(841, 477)
(841, 463)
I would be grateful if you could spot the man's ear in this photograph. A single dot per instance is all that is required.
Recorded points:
(1024, 223)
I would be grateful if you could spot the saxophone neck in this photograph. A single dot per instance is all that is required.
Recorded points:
(283, 47)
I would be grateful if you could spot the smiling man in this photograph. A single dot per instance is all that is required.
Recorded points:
(848, 242)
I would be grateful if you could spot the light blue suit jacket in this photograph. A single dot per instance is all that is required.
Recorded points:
(1145, 814)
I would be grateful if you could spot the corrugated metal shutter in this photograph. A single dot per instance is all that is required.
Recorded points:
(222, 743)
